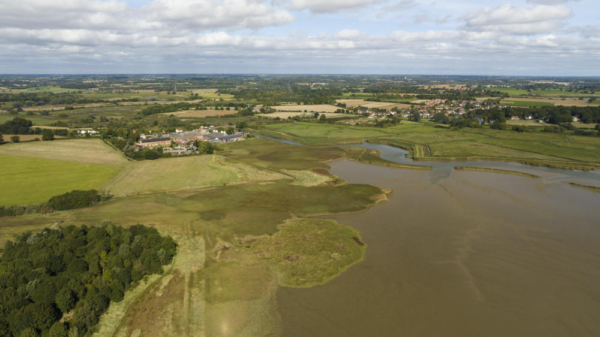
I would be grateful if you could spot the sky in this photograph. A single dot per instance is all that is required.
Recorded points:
(451, 37)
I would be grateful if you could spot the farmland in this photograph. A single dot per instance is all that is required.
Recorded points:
(285, 115)
(307, 108)
(86, 151)
(371, 104)
(183, 173)
(33, 180)
(200, 113)
(532, 103)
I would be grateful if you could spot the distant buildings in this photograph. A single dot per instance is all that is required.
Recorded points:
(183, 138)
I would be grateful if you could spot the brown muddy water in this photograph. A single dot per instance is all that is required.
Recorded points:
(464, 254)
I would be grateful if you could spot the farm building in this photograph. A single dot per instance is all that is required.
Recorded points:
(224, 138)
(155, 141)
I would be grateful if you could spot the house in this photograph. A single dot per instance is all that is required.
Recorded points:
(154, 141)
(89, 132)
(514, 118)
(184, 137)
(575, 119)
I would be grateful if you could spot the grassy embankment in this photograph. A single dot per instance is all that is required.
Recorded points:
(237, 242)
(491, 170)
(426, 142)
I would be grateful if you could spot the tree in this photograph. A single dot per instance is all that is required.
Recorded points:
(322, 118)
(415, 116)
(29, 332)
(65, 300)
(47, 135)
(230, 130)
(58, 330)
(15, 139)
(1, 139)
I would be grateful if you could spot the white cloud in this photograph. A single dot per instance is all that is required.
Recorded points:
(539, 19)
(551, 2)
(213, 14)
(330, 6)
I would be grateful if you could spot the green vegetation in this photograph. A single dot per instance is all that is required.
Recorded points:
(85, 151)
(306, 252)
(510, 91)
(171, 174)
(591, 188)
(74, 273)
(491, 170)
(32, 180)
(526, 103)
(427, 142)
(71, 200)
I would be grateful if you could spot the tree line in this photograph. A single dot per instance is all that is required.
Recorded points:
(70, 200)
(60, 281)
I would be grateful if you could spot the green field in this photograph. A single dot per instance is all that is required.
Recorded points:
(87, 151)
(171, 174)
(33, 180)
(526, 103)
(559, 92)
(510, 91)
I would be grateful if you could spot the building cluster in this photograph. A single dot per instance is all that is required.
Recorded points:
(181, 142)
(432, 107)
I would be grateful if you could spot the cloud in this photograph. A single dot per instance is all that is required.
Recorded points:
(213, 14)
(330, 6)
(551, 2)
(157, 14)
(531, 20)
(224, 36)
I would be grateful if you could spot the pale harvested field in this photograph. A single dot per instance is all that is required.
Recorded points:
(309, 108)
(285, 115)
(200, 113)
(204, 91)
(24, 138)
(370, 105)
(88, 151)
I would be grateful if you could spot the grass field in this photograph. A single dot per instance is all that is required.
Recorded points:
(87, 151)
(32, 180)
(544, 101)
(171, 174)
(510, 91)
(526, 103)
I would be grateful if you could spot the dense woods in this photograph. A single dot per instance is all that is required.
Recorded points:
(76, 271)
